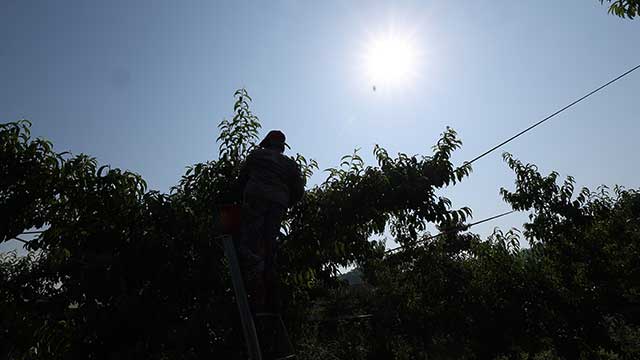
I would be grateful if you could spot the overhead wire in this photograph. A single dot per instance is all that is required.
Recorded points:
(448, 231)
(467, 163)
(552, 115)
(21, 240)
(33, 232)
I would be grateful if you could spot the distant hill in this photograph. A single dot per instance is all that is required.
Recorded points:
(353, 277)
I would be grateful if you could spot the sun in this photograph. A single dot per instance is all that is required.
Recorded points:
(390, 60)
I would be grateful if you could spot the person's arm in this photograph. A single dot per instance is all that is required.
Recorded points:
(241, 181)
(296, 185)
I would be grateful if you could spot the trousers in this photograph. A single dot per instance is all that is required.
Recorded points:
(257, 251)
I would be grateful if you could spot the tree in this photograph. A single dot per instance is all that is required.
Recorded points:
(624, 8)
(122, 272)
(119, 271)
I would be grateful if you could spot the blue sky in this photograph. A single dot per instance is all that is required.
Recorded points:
(142, 85)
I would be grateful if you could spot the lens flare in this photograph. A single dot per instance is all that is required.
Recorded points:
(390, 60)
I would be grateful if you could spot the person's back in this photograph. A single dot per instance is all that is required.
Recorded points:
(269, 183)
(272, 176)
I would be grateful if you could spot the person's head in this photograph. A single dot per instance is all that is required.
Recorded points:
(274, 140)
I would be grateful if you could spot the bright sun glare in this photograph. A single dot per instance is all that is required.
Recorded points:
(390, 60)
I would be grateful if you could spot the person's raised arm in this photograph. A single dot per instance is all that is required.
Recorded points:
(241, 181)
(296, 185)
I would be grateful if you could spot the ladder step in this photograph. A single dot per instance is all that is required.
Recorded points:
(265, 314)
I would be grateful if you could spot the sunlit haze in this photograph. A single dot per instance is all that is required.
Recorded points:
(390, 60)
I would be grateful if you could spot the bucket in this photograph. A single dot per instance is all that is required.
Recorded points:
(230, 218)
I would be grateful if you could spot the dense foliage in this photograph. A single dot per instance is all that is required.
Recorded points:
(624, 8)
(122, 272)
(572, 295)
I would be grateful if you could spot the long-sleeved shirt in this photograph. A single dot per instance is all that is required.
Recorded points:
(270, 175)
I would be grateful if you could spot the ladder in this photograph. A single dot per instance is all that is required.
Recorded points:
(248, 325)
(230, 223)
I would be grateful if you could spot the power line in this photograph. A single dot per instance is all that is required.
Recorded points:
(343, 318)
(21, 240)
(33, 232)
(27, 233)
(459, 228)
(552, 115)
(466, 163)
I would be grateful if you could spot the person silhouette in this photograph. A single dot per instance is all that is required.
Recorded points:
(270, 183)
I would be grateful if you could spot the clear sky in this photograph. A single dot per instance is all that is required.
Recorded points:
(142, 85)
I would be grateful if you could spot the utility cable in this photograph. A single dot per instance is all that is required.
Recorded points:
(21, 240)
(459, 228)
(552, 115)
(33, 232)
(466, 163)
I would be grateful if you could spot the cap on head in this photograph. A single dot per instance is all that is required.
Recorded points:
(274, 139)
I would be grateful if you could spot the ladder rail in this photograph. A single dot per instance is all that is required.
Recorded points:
(248, 325)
